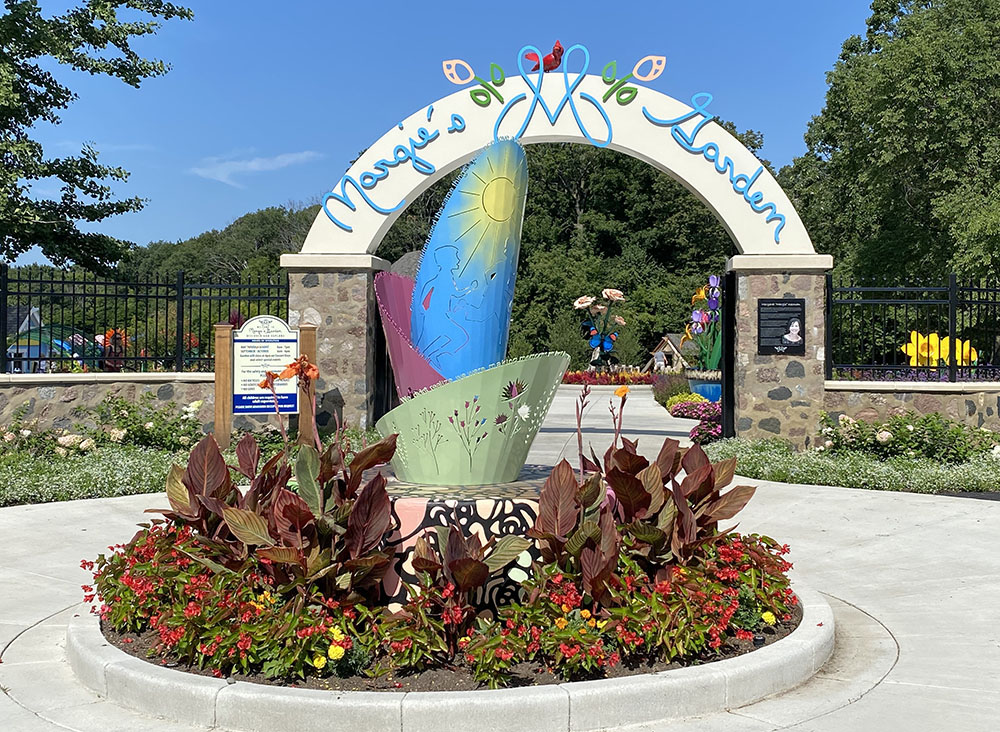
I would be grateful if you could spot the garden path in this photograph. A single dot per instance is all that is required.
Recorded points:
(914, 581)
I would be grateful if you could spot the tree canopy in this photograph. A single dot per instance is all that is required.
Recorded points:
(90, 38)
(902, 173)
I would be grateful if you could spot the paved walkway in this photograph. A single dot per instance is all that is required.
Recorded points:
(914, 581)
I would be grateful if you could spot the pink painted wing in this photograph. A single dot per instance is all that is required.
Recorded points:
(394, 293)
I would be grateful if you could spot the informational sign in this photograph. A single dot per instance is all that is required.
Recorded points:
(781, 326)
(264, 343)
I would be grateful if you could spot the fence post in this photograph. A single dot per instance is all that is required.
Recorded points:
(729, 355)
(179, 342)
(3, 317)
(952, 326)
(828, 339)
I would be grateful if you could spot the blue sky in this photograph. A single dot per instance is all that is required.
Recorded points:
(267, 102)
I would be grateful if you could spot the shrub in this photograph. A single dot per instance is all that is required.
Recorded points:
(143, 423)
(686, 397)
(775, 459)
(114, 470)
(669, 385)
(910, 435)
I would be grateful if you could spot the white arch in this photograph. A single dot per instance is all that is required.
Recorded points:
(443, 136)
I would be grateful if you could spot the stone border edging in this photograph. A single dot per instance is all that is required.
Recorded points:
(580, 706)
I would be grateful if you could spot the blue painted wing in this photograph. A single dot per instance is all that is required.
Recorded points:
(464, 290)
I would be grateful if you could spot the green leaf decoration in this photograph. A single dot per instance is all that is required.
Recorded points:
(307, 473)
(248, 527)
(506, 550)
(206, 562)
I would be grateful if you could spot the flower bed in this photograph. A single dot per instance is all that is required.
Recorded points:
(709, 414)
(777, 460)
(284, 581)
(607, 378)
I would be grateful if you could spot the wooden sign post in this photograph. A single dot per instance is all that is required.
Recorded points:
(223, 428)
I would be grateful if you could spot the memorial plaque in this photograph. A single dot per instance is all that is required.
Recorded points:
(264, 343)
(781, 327)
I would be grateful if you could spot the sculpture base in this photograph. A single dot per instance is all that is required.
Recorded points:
(487, 511)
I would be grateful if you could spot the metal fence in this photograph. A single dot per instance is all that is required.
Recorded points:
(61, 321)
(947, 330)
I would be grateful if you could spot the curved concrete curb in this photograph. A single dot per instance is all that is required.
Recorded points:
(575, 707)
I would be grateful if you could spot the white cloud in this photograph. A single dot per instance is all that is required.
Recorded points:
(223, 170)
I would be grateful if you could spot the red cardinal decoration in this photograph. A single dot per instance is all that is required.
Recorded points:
(551, 60)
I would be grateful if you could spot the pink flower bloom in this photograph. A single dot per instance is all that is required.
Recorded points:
(613, 295)
(584, 301)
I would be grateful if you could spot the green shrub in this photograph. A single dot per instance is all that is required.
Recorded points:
(688, 397)
(115, 470)
(143, 423)
(911, 435)
(775, 459)
(668, 385)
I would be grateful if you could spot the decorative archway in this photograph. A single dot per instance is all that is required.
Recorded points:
(574, 106)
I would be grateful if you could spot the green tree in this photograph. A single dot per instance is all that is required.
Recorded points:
(89, 38)
(902, 173)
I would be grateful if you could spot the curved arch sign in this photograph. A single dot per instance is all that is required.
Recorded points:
(605, 110)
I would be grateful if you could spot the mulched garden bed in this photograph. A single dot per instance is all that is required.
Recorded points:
(458, 678)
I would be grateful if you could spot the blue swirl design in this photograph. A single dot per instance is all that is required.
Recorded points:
(571, 89)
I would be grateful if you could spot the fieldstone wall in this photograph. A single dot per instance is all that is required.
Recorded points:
(777, 395)
(342, 306)
(976, 408)
(52, 404)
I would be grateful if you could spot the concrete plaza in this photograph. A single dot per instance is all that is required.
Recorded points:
(914, 581)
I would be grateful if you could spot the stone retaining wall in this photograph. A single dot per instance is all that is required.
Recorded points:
(51, 401)
(977, 405)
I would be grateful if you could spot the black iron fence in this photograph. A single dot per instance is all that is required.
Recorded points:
(59, 321)
(947, 330)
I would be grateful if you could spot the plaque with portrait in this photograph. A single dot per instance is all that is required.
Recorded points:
(781, 327)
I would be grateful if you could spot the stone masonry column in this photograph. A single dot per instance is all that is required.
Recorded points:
(336, 293)
(778, 395)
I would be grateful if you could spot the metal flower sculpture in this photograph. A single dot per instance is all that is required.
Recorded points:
(447, 333)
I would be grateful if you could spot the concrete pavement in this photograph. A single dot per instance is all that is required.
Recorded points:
(914, 581)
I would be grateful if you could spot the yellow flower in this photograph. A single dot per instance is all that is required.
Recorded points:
(700, 294)
(337, 634)
(566, 608)
(585, 614)
(965, 354)
(561, 623)
(335, 653)
(768, 617)
(924, 350)
(621, 391)
(583, 631)
(591, 623)
(601, 624)
(319, 660)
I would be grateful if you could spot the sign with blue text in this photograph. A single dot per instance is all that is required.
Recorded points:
(264, 343)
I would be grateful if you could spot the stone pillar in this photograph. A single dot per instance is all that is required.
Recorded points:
(778, 395)
(336, 293)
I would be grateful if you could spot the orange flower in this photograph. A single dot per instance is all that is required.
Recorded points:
(268, 382)
(300, 367)
(621, 391)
